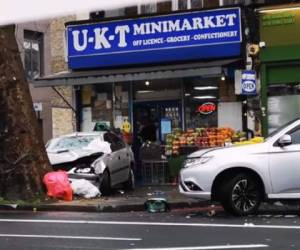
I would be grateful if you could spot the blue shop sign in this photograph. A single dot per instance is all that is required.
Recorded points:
(248, 82)
(159, 39)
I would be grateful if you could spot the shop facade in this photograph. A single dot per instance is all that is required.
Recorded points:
(280, 65)
(171, 71)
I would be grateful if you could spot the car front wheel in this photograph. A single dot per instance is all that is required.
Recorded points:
(241, 195)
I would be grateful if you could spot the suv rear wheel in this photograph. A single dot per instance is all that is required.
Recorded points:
(241, 195)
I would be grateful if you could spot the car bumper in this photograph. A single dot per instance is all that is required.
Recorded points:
(200, 195)
(195, 183)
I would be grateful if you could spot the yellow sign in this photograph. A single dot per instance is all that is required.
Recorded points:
(126, 126)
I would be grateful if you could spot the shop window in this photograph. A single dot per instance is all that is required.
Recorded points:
(201, 102)
(195, 4)
(102, 104)
(148, 8)
(97, 15)
(86, 95)
(284, 89)
(210, 3)
(110, 104)
(183, 4)
(164, 6)
(156, 90)
(121, 104)
(115, 12)
(245, 2)
(283, 104)
(33, 51)
(131, 11)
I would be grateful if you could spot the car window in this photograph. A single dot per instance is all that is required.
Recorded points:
(112, 139)
(118, 141)
(280, 128)
(72, 143)
(295, 135)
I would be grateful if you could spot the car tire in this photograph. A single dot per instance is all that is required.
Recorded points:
(241, 195)
(104, 186)
(130, 183)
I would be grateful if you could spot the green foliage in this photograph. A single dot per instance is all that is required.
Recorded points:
(175, 164)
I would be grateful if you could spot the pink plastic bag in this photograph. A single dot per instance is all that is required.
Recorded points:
(58, 185)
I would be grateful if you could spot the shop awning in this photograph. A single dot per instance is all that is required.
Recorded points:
(205, 69)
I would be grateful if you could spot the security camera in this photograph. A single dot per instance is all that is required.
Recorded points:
(262, 44)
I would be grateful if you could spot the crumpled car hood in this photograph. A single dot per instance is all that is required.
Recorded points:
(65, 156)
(68, 156)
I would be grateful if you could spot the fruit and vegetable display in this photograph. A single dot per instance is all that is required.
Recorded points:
(254, 140)
(201, 138)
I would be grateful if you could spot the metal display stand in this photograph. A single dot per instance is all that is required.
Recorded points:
(154, 171)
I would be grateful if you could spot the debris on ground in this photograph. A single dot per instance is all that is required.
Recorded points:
(79, 171)
(211, 213)
(121, 191)
(278, 203)
(58, 185)
(84, 188)
(157, 205)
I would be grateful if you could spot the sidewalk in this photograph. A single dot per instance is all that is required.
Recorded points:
(119, 201)
(122, 201)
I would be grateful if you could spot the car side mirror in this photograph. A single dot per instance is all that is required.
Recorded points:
(285, 140)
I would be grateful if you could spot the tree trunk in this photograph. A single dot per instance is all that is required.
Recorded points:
(23, 159)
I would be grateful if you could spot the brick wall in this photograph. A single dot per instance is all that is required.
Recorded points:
(63, 117)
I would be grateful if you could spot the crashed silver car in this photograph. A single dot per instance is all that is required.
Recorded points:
(101, 157)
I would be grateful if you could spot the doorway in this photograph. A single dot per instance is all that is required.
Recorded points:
(149, 119)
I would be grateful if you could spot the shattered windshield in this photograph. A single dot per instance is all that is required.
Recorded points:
(72, 143)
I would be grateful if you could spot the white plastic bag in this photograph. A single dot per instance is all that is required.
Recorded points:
(84, 188)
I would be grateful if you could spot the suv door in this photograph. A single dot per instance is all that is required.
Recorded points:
(284, 165)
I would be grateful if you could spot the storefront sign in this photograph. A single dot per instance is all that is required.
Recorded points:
(126, 126)
(248, 82)
(278, 19)
(207, 108)
(37, 106)
(278, 27)
(174, 37)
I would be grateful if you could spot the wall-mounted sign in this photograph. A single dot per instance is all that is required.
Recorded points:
(279, 28)
(173, 37)
(284, 18)
(207, 108)
(38, 106)
(248, 82)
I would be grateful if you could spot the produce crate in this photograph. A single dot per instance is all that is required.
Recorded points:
(154, 171)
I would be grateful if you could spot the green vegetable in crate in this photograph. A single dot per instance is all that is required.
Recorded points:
(169, 140)
(200, 130)
(169, 137)
(177, 131)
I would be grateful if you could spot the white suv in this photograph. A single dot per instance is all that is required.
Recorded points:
(240, 177)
